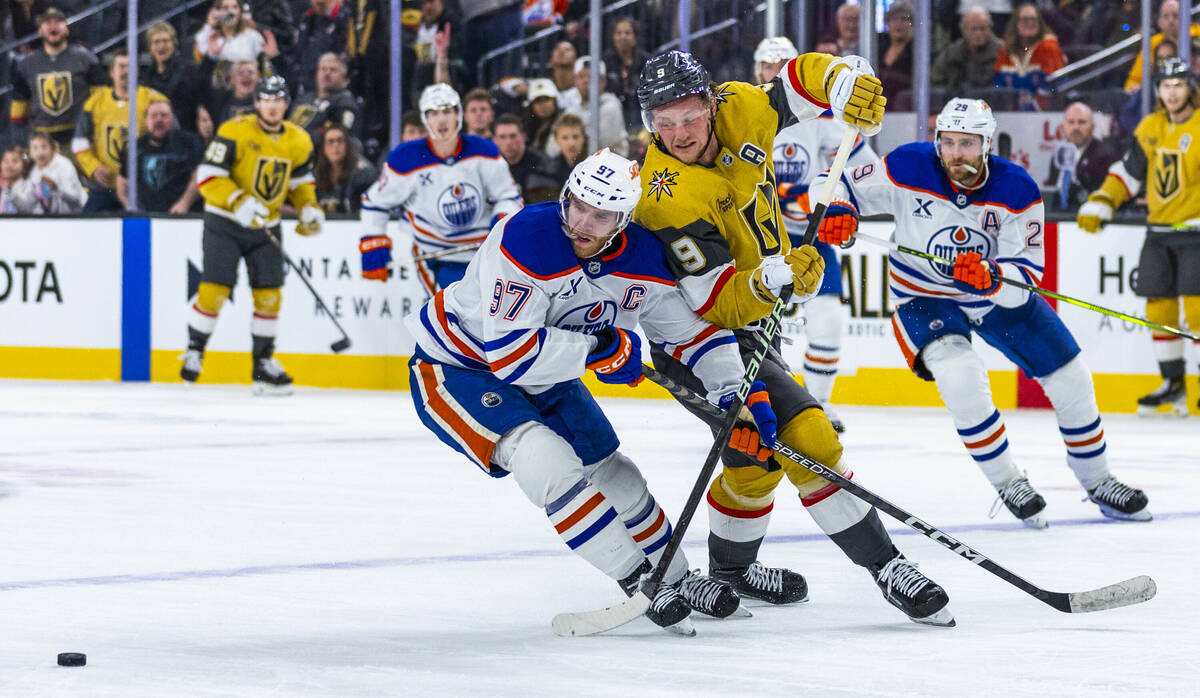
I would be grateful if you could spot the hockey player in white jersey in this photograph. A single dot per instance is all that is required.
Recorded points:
(557, 290)
(451, 188)
(952, 199)
(801, 151)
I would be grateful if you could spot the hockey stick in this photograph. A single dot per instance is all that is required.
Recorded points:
(1034, 289)
(1126, 593)
(591, 622)
(447, 252)
(340, 345)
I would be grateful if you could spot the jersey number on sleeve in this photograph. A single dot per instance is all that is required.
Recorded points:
(521, 291)
(1034, 239)
(689, 255)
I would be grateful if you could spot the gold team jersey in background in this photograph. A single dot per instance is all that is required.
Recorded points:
(103, 127)
(1166, 157)
(274, 167)
(719, 221)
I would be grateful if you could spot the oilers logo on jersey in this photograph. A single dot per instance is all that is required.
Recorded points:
(792, 162)
(588, 318)
(459, 204)
(490, 399)
(951, 241)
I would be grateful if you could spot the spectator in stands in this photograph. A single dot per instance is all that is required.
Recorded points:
(895, 66)
(173, 74)
(24, 15)
(342, 175)
(438, 49)
(167, 158)
(411, 126)
(50, 85)
(478, 114)
(489, 25)
(52, 185)
(528, 166)
(102, 128)
(562, 71)
(204, 125)
(227, 35)
(612, 117)
(330, 103)
(13, 165)
(570, 140)
(847, 27)
(370, 74)
(225, 103)
(275, 20)
(970, 61)
(1081, 162)
(1029, 54)
(1168, 27)
(624, 61)
(322, 30)
(541, 109)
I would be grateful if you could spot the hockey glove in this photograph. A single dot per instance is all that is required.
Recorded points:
(249, 212)
(975, 275)
(855, 94)
(750, 439)
(839, 224)
(311, 219)
(793, 198)
(376, 255)
(1094, 213)
(617, 357)
(808, 266)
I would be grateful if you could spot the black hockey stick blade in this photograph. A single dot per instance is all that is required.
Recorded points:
(592, 622)
(341, 345)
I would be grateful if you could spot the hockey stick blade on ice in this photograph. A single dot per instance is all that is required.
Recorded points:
(340, 345)
(1127, 593)
(592, 622)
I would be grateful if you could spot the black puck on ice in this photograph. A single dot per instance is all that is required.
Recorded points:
(72, 659)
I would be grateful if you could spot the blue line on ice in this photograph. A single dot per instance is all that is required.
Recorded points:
(186, 575)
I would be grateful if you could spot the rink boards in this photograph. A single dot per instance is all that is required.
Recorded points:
(107, 299)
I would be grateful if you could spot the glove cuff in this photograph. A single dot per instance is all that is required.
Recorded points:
(1098, 206)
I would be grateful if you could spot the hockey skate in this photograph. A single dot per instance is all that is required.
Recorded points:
(192, 360)
(834, 418)
(1120, 501)
(912, 592)
(270, 378)
(709, 596)
(1169, 400)
(668, 609)
(775, 585)
(1023, 501)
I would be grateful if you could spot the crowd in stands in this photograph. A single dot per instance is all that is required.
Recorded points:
(64, 145)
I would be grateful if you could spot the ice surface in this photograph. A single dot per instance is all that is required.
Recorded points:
(203, 542)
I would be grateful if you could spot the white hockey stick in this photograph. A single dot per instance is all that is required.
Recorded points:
(447, 252)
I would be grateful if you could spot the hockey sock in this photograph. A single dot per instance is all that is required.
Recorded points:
(823, 326)
(265, 320)
(851, 523)
(263, 347)
(739, 508)
(196, 339)
(1073, 396)
(623, 485)
(1172, 370)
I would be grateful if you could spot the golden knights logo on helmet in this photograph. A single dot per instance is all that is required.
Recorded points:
(55, 92)
(271, 177)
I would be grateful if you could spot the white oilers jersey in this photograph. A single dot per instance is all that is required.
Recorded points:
(526, 305)
(444, 202)
(803, 150)
(1002, 220)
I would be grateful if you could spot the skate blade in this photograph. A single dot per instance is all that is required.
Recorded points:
(1170, 409)
(268, 390)
(1143, 515)
(684, 627)
(740, 612)
(1037, 521)
(941, 619)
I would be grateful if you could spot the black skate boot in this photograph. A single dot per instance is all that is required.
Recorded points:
(1169, 399)
(1023, 501)
(776, 585)
(668, 609)
(192, 361)
(707, 595)
(1120, 501)
(912, 592)
(270, 378)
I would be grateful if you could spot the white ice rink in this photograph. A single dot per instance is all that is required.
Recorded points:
(204, 542)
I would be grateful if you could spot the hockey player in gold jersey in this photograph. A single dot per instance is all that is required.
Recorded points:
(255, 163)
(1162, 156)
(102, 130)
(710, 193)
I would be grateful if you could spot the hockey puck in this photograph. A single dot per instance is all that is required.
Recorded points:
(72, 659)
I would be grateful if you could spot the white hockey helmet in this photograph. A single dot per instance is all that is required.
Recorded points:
(961, 115)
(606, 181)
(439, 95)
(774, 49)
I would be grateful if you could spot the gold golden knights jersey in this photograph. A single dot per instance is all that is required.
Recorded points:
(720, 221)
(273, 167)
(1166, 157)
(103, 128)
(50, 90)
